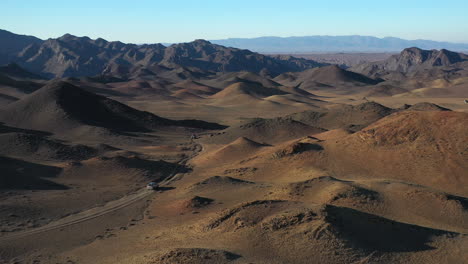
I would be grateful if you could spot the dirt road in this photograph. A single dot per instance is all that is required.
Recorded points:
(105, 209)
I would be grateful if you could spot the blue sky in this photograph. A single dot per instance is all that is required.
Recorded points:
(146, 21)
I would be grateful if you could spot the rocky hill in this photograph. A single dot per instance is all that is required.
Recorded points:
(411, 60)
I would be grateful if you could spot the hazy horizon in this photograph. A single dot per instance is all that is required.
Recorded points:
(229, 38)
(151, 22)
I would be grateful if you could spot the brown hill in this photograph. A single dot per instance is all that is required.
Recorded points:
(240, 147)
(15, 82)
(324, 77)
(179, 73)
(131, 170)
(424, 106)
(333, 74)
(243, 88)
(325, 228)
(223, 80)
(39, 147)
(353, 117)
(409, 146)
(385, 89)
(267, 131)
(135, 87)
(14, 71)
(196, 88)
(185, 94)
(58, 107)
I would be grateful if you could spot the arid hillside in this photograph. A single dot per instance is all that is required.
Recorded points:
(199, 153)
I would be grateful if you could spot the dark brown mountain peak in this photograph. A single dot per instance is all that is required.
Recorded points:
(101, 42)
(412, 50)
(415, 55)
(446, 57)
(410, 60)
(441, 57)
(201, 41)
(70, 37)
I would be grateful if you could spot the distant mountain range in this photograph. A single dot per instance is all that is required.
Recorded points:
(355, 43)
(72, 56)
(81, 56)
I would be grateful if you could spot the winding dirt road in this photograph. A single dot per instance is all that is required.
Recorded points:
(83, 216)
(105, 209)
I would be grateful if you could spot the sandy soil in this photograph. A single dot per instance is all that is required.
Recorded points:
(335, 184)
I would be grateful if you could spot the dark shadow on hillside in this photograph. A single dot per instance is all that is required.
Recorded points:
(8, 129)
(23, 175)
(156, 170)
(302, 147)
(164, 188)
(371, 232)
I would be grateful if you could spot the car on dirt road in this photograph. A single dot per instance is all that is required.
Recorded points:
(152, 186)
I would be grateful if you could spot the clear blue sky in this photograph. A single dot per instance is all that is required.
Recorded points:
(146, 21)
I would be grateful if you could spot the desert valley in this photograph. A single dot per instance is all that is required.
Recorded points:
(258, 158)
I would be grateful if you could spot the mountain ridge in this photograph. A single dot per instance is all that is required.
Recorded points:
(411, 60)
(72, 56)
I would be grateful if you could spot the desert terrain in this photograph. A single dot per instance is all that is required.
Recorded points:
(343, 59)
(258, 159)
